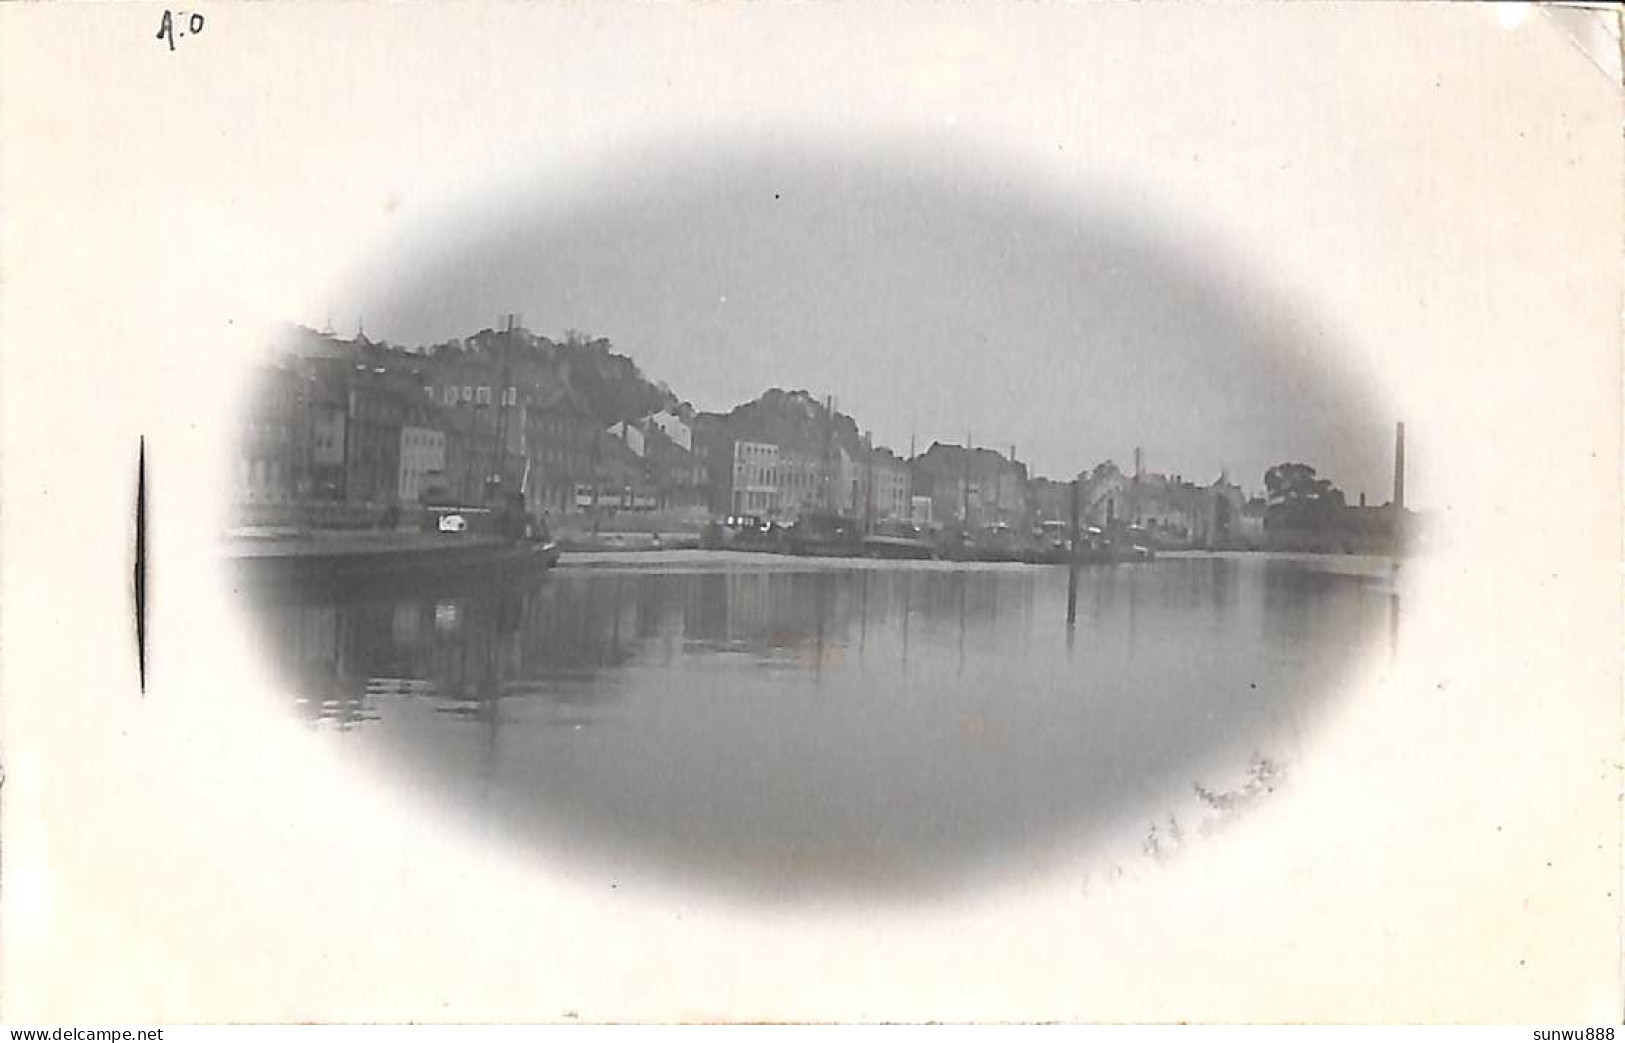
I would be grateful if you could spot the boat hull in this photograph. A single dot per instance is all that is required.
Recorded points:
(898, 548)
(310, 572)
(821, 549)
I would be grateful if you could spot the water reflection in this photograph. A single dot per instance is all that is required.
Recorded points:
(793, 728)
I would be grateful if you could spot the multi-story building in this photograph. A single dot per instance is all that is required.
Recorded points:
(680, 474)
(423, 462)
(327, 413)
(849, 479)
(564, 445)
(522, 424)
(382, 400)
(1170, 506)
(713, 448)
(1247, 529)
(819, 462)
(621, 479)
(1174, 510)
(677, 473)
(1009, 482)
(1223, 523)
(484, 422)
(270, 442)
(889, 498)
(1051, 500)
(801, 481)
(376, 426)
(972, 487)
(353, 400)
(754, 487)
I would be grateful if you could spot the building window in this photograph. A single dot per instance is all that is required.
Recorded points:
(451, 396)
(511, 398)
(483, 396)
(468, 393)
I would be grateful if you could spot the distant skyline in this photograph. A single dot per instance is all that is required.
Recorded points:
(930, 299)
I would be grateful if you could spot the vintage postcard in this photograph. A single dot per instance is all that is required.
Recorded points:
(559, 513)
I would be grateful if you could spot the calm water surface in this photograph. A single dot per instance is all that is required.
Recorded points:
(788, 726)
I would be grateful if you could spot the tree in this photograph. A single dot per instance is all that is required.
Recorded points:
(613, 387)
(1300, 499)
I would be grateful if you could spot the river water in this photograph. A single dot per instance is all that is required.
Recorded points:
(788, 727)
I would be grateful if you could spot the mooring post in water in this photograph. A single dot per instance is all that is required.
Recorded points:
(1072, 562)
(1396, 539)
(1393, 611)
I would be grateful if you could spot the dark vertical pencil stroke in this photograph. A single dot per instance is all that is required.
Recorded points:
(140, 577)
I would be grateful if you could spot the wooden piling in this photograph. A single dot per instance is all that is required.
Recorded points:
(1072, 562)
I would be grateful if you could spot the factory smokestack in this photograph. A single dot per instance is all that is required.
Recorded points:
(1399, 465)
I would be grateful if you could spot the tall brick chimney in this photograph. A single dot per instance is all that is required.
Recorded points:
(1399, 465)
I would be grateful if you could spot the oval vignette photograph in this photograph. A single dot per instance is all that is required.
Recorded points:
(821, 523)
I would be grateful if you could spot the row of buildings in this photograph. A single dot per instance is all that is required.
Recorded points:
(353, 429)
(350, 426)
(785, 453)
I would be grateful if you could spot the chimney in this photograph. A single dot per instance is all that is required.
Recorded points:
(1399, 465)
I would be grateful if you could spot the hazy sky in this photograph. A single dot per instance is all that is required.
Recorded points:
(930, 297)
